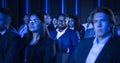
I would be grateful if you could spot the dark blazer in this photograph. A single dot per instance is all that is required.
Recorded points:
(9, 45)
(42, 52)
(109, 54)
(68, 40)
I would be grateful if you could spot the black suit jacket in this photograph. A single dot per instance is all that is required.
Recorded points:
(9, 45)
(41, 52)
(109, 54)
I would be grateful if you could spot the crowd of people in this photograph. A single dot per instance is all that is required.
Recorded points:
(43, 39)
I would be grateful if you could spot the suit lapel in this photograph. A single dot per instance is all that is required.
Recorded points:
(85, 48)
(104, 51)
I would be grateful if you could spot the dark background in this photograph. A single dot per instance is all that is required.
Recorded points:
(18, 8)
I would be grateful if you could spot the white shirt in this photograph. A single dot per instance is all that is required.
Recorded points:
(3, 32)
(59, 34)
(96, 49)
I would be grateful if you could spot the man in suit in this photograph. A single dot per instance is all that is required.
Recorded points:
(67, 38)
(104, 48)
(9, 39)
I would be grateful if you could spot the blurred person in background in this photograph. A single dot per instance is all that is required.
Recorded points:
(24, 28)
(9, 39)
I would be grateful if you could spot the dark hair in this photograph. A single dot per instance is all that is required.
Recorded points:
(75, 17)
(107, 11)
(64, 15)
(45, 32)
(39, 15)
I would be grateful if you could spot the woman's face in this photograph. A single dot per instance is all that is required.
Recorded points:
(35, 24)
(71, 22)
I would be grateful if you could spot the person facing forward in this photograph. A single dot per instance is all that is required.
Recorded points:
(104, 48)
(67, 39)
(37, 47)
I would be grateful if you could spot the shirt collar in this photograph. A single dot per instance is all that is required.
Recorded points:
(3, 32)
(61, 31)
(104, 41)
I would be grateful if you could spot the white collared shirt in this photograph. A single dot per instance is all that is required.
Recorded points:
(59, 34)
(96, 49)
(3, 32)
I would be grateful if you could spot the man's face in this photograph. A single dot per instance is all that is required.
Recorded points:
(2, 21)
(62, 22)
(101, 24)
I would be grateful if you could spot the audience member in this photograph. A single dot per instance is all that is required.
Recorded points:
(37, 47)
(67, 39)
(24, 28)
(74, 24)
(9, 40)
(104, 48)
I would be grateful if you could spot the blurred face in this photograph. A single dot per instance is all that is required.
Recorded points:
(26, 19)
(35, 24)
(2, 22)
(71, 22)
(54, 21)
(101, 24)
(47, 19)
(62, 22)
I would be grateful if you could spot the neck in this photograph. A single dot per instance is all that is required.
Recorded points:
(61, 29)
(36, 35)
(72, 27)
(102, 37)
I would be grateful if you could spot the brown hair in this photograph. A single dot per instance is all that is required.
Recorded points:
(107, 11)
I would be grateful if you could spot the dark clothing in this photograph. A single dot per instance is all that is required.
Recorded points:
(109, 54)
(50, 27)
(41, 52)
(0, 35)
(9, 45)
(81, 31)
(69, 40)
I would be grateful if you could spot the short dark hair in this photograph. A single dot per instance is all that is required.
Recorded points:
(105, 10)
(64, 15)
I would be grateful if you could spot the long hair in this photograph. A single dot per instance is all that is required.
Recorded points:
(44, 31)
